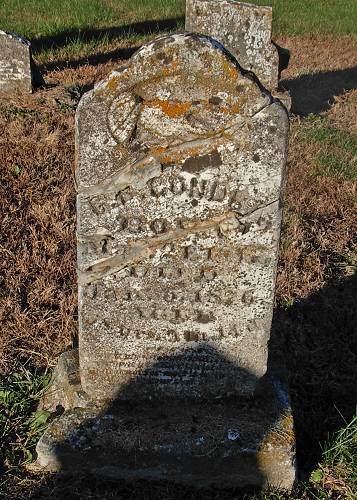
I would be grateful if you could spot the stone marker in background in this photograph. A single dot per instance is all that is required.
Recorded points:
(245, 30)
(180, 163)
(18, 72)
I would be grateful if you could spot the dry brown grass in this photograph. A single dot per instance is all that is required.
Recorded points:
(320, 225)
(37, 247)
(319, 53)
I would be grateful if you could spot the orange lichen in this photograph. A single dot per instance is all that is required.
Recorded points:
(113, 83)
(181, 154)
(232, 110)
(171, 109)
(230, 69)
(170, 69)
(157, 150)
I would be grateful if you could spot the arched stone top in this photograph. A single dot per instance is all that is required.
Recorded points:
(174, 90)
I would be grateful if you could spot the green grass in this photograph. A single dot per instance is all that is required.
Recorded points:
(20, 424)
(337, 155)
(337, 473)
(76, 28)
(296, 17)
(39, 18)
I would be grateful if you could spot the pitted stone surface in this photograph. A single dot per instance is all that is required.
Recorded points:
(16, 65)
(180, 162)
(244, 29)
(219, 443)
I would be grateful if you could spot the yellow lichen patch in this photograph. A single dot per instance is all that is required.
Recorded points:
(170, 69)
(181, 154)
(277, 445)
(229, 69)
(113, 83)
(157, 150)
(171, 109)
(282, 435)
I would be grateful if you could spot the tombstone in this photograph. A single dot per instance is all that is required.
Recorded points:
(245, 30)
(18, 72)
(180, 159)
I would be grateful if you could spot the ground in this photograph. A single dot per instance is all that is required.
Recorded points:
(314, 328)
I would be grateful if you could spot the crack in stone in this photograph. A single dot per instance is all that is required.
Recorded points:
(138, 250)
(261, 207)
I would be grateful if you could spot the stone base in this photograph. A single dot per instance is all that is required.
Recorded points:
(225, 443)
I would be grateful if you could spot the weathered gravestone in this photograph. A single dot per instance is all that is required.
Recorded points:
(245, 30)
(179, 180)
(18, 71)
(180, 163)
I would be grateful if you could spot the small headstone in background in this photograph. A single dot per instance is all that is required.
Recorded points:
(245, 30)
(18, 72)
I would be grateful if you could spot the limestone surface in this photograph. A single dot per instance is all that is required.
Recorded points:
(18, 72)
(219, 443)
(180, 163)
(244, 29)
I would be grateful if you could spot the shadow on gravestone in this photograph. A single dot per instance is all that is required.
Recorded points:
(221, 442)
(315, 92)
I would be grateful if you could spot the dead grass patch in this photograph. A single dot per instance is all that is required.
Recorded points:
(320, 227)
(37, 247)
(343, 113)
(312, 53)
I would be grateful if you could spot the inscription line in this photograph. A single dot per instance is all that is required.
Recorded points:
(140, 249)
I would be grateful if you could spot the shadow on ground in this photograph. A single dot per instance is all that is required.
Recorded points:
(315, 92)
(316, 339)
(87, 35)
(143, 28)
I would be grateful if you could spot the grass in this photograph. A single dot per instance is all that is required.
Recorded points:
(319, 16)
(69, 30)
(20, 424)
(337, 155)
(337, 473)
(37, 281)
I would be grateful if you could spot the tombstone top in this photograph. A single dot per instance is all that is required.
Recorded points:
(15, 63)
(244, 29)
(169, 85)
(16, 37)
